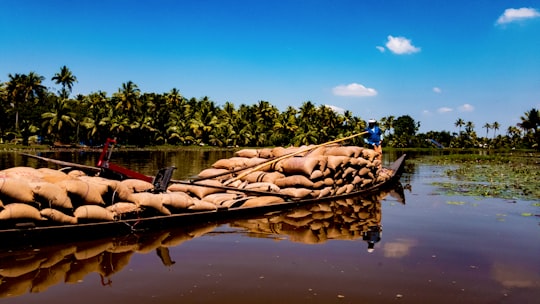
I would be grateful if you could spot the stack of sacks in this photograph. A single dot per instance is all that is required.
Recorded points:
(320, 172)
(29, 194)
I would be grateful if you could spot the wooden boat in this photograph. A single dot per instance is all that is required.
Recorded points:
(34, 233)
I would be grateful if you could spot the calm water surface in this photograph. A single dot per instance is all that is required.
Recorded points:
(432, 249)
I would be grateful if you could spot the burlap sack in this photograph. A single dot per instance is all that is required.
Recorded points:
(294, 181)
(200, 205)
(262, 201)
(57, 216)
(20, 211)
(298, 165)
(296, 192)
(137, 185)
(52, 176)
(249, 153)
(218, 198)
(26, 173)
(82, 191)
(262, 186)
(121, 208)
(16, 190)
(51, 195)
(150, 200)
(93, 213)
(177, 200)
(206, 187)
(221, 174)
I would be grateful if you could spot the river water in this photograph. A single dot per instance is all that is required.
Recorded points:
(412, 244)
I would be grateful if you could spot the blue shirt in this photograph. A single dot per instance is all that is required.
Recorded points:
(374, 136)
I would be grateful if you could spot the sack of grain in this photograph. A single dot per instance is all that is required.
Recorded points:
(52, 176)
(16, 190)
(295, 192)
(26, 173)
(218, 198)
(221, 174)
(93, 213)
(20, 211)
(150, 200)
(82, 192)
(121, 208)
(259, 176)
(297, 165)
(231, 163)
(262, 186)
(57, 216)
(200, 205)
(176, 200)
(249, 153)
(262, 201)
(266, 153)
(294, 181)
(206, 187)
(76, 173)
(137, 185)
(51, 195)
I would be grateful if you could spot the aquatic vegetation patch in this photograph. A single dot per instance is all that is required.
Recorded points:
(501, 175)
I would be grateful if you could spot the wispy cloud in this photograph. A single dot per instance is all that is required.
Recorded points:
(437, 90)
(466, 108)
(517, 14)
(381, 48)
(353, 89)
(401, 45)
(445, 110)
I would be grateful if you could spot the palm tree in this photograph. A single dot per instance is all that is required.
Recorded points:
(459, 123)
(530, 122)
(487, 126)
(66, 79)
(22, 89)
(128, 97)
(495, 126)
(58, 119)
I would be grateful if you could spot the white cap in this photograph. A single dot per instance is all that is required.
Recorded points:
(372, 121)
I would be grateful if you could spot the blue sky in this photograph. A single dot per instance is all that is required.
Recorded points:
(436, 61)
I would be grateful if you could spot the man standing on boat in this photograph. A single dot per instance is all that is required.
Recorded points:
(374, 137)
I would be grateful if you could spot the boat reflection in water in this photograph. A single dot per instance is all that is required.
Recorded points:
(37, 269)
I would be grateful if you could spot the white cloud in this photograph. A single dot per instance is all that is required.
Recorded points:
(437, 90)
(517, 14)
(401, 45)
(338, 110)
(353, 89)
(381, 48)
(466, 108)
(445, 110)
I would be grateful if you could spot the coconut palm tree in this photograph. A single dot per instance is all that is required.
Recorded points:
(127, 97)
(487, 126)
(459, 123)
(58, 120)
(66, 78)
(22, 89)
(495, 126)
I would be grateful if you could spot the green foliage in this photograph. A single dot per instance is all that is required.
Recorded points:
(142, 119)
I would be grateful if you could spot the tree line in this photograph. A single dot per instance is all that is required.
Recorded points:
(33, 113)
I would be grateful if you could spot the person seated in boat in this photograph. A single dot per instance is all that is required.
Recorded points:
(374, 137)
